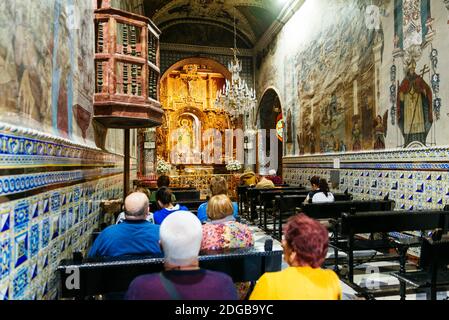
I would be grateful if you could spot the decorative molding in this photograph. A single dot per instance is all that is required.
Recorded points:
(203, 49)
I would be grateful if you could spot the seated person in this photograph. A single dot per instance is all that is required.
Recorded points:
(121, 217)
(305, 248)
(218, 186)
(315, 183)
(181, 236)
(165, 201)
(223, 232)
(162, 181)
(248, 179)
(264, 183)
(323, 195)
(135, 236)
(274, 177)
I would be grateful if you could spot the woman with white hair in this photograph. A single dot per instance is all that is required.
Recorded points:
(181, 235)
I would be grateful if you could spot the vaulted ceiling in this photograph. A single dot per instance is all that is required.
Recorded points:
(211, 22)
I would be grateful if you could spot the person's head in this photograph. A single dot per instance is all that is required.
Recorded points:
(136, 206)
(144, 191)
(272, 173)
(219, 207)
(181, 235)
(218, 186)
(305, 242)
(324, 186)
(164, 197)
(163, 181)
(315, 182)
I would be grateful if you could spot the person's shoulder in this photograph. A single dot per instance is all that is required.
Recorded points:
(111, 229)
(220, 276)
(144, 279)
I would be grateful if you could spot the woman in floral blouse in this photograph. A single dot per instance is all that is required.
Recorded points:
(223, 232)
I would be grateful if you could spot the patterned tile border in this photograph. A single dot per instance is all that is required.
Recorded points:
(10, 185)
(437, 154)
(26, 147)
(375, 166)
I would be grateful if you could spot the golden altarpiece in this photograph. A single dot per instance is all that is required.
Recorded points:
(188, 97)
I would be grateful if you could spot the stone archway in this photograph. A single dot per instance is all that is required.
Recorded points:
(270, 117)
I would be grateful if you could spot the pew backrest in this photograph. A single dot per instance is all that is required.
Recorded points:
(334, 210)
(289, 203)
(101, 276)
(434, 254)
(393, 221)
(187, 195)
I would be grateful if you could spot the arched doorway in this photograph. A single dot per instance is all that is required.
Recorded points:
(270, 117)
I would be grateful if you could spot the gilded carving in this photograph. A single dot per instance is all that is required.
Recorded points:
(187, 96)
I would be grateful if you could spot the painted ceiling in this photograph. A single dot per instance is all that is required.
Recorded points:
(253, 18)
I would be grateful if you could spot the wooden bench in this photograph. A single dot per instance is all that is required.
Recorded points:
(111, 275)
(433, 273)
(384, 222)
(253, 196)
(334, 210)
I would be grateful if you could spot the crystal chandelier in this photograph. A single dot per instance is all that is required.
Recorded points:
(236, 97)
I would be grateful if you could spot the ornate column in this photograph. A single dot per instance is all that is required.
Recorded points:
(377, 65)
(147, 154)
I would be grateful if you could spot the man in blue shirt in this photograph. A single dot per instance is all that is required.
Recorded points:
(135, 236)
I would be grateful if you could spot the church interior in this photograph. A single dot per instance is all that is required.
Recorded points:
(319, 115)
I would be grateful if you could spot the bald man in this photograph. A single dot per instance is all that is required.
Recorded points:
(135, 236)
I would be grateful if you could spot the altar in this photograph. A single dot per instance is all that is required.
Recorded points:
(193, 127)
(201, 182)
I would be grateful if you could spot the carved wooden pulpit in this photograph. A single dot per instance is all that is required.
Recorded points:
(127, 61)
(127, 70)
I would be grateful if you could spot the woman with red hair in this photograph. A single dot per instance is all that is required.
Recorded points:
(305, 246)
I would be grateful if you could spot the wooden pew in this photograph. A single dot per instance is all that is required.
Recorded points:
(434, 261)
(285, 206)
(334, 210)
(103, 276)
(187, 195)
(383, 222)
(267, 201)
(254, 197)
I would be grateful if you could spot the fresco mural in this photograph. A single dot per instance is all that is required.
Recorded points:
(352, 85)
(45, 81)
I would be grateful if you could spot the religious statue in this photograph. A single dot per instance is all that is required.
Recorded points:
(289, 127)
(414, 107)
(380, 131)
(185, 137)
(356, 137)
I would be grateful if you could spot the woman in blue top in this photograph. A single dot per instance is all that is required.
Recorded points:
(218, 186)
(164, 199)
